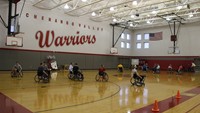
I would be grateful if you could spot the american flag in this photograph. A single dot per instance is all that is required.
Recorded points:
(155, 36)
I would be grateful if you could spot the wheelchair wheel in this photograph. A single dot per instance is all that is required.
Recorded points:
(12, 74)
(102, 78)
(70, 76)
(80, 77)
(20, 74)
(132, 81)
(16, 74)
(120, 70)
(46, 80)
(36, 78)
(105, 77)
(97, 77)
(136, 82)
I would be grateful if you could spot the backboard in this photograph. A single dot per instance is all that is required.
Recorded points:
(14, 41)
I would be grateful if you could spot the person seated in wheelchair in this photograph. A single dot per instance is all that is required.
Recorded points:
(192, 67)
(145, 67)
(75, 69)
(156, 68)
(41, 72)
(170, 69)
(136, 76)
(17, 68)
(102, 71)
(76, 72)
(120, 67)
(47, 69)
(180, 70)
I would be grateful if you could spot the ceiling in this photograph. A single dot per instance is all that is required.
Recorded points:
(132, 13)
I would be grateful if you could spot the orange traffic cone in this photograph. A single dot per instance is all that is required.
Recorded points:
(155, 108)
(178, 96)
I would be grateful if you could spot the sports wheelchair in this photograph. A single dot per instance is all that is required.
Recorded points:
(42, 77)
(135, 80)
(103, 77)
(79, 76)
(16, 73)
(120, 69)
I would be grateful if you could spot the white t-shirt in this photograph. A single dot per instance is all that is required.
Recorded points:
(70, 68)
(158, 67)
(193, 64)
(134, 70)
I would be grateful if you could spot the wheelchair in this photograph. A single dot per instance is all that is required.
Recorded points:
(120, 69)
(78, 77)
(103, 77)
(135, 80)
(44, 78)
(16, 73)
(156, 71)
(170, 71)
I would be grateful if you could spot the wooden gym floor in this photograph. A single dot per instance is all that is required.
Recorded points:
(61, 95)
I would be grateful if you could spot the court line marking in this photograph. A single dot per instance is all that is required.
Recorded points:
(13, 104)
(193, 108)
(119, 88)
(172, 100)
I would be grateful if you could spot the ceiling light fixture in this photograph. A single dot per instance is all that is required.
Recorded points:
(190, 15)
(66, 6)
(168, 18)
(132, 16)
(114, 20)
(93, 14)
(134, 2)
(84, 0)
(179, 7)
(112, 8)
(148, 22)
(154, 12)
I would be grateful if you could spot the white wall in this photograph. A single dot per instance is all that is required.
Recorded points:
(188, 41)
(30, 26)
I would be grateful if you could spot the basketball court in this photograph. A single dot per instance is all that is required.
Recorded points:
(118, 95)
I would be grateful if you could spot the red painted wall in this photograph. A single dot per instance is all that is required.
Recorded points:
(164, 63)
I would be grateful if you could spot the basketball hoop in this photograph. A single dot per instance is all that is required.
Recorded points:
(174, 50)
(114, 50)
(14, 41)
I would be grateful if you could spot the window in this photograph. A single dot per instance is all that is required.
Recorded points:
(122, 36)
(139, 37)
(122, 45)
(128, 45)
(146, 36)
(146, 45)
(139, 45)
(128, 37)
(125, 42)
